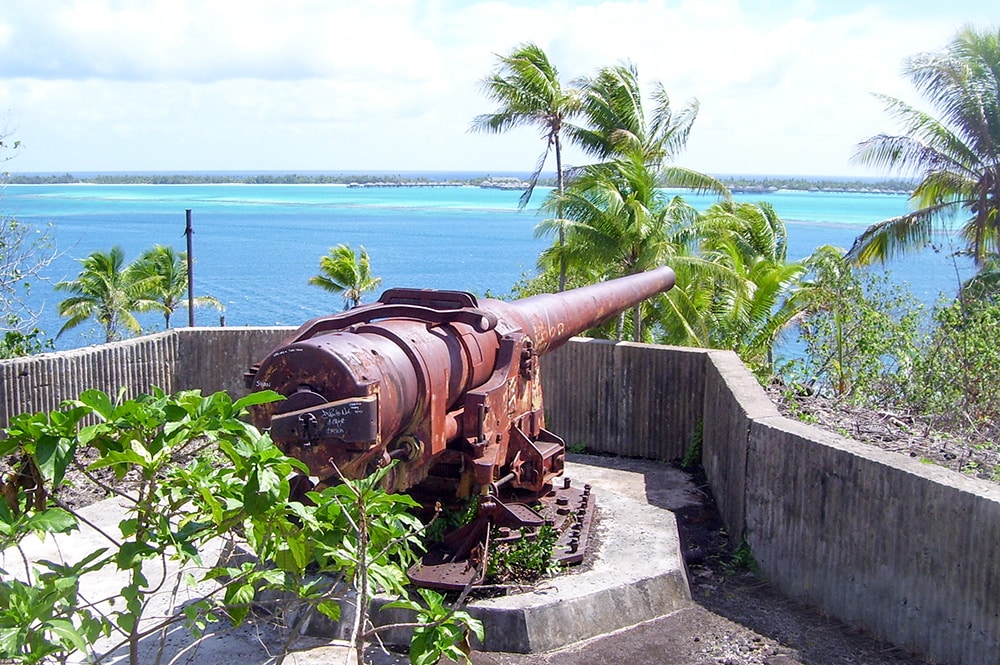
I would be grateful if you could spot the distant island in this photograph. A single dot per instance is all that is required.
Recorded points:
(752, 185)
(737, 184)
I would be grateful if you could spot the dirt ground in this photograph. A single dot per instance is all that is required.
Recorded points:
(971, 450)
(746, 621)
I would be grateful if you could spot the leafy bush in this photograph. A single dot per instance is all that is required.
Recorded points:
(870, 342)
(16, 343)
(201, 474)
(956, 376)
(861, 333)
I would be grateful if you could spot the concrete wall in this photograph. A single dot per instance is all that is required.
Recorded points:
(635, 400)
(211, 359)
(214, 359)
(910, 552)
(733, 401)
(907, 551)
(42, 382)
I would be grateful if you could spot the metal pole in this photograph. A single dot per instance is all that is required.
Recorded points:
(189, 232)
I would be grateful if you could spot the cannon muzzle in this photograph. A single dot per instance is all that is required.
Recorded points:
(444, 383)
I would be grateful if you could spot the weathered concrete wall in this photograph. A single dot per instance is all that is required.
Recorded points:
(214, 359)
(211, 359)
(42, 382)
(635, 400)
(733, 400)
(910, 552)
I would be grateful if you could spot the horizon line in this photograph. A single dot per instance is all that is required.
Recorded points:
(363, 172)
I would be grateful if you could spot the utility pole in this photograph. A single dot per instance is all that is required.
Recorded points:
(189, 232)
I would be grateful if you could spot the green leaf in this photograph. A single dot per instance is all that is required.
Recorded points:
(298, 547)
(255, 398)
(433, 600)
(82, 566)
(99, 402)
(125, 621)
(51, 520)
(131, 554)
(66, 631)
(329, 609)
(9, 444)
(404, 604)
(52, 455)
(471, 623)
(128, 526)
(261, 491)
(238, 599)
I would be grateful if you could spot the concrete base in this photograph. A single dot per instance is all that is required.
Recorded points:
(636, 574)
(633, 573)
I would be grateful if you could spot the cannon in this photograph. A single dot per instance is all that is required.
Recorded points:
(444, 383)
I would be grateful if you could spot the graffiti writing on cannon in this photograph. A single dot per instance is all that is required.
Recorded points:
(354, 421)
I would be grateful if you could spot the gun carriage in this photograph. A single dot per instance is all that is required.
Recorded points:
(448, 385)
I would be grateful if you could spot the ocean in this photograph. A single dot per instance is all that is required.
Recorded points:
(255, 246)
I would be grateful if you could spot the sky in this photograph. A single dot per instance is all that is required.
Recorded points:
(783, 87)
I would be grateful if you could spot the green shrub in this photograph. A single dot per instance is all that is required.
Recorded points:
(861, 334)
(956, 377)
(201, 473)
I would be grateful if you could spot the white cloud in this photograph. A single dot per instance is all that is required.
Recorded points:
(188, 84)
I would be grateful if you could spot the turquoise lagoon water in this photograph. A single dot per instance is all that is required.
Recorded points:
(255, 246)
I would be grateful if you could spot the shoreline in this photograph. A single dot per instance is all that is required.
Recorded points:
(740, 185)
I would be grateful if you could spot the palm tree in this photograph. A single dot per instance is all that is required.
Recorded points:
(956, 153)
(341, 271)
(165, 272)
(638, 148)
(618, 221)
(107, 291)
(758, 294)
(526, 87)
(616, 126)
(735, 287)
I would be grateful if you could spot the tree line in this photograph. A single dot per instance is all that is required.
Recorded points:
(220, 179)
(734, 183)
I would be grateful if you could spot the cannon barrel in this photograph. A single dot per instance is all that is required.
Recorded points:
(445, 384)
(550, 319)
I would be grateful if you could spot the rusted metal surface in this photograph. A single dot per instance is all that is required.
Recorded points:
(446, 384)
(551, 319)
(461, 560)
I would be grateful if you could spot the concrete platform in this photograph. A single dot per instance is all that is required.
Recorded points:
(635, 574)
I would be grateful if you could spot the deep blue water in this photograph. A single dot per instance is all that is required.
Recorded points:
(255, 246)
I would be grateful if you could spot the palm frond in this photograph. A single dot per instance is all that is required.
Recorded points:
(884, 240)
(955, 151)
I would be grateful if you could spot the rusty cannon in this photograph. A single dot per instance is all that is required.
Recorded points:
(448, 386)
